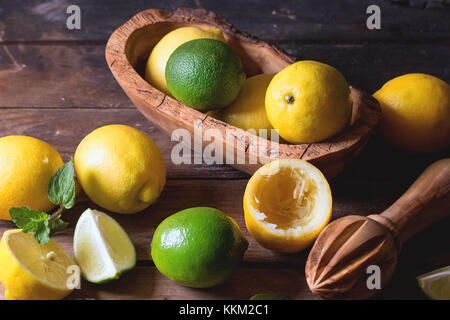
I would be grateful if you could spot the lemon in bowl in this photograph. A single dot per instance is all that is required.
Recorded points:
(120, 168)
(248, 111)
(308, 102)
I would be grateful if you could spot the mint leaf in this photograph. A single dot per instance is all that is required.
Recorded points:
(61, 189)
(57, 225)
(32, 221)
(42, 232)
(270, 296)
(27, 219)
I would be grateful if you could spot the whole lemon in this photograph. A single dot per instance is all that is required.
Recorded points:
(308, 102)
(415, 112)
(27, 165)
(156, 64)
(248, 111)
(120, 168)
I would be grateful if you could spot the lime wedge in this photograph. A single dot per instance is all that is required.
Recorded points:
(436, 284)
(102, 248)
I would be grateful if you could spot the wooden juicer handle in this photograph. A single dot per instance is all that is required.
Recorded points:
(337, 265)
(424, 203)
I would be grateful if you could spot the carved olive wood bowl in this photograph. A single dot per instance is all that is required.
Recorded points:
(130, 45)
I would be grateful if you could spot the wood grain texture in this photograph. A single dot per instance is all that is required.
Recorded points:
(225, 195)
(65, 128)
(55, 85)
(77, 76)
(299, 20)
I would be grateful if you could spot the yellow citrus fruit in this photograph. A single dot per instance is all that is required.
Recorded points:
(27, 166)
(286, 204)
(120, 168)
(416, 112)
(248, 111)
(155, 68)
(30, 271)
(308, 102)
(8, 296)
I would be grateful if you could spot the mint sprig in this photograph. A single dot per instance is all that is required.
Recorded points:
(61, 191)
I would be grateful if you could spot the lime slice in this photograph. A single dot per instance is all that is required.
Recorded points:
(436, 284)
(102, 248)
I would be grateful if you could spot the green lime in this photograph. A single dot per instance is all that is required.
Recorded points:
(198, 247)
(436, 284)
(204, 74)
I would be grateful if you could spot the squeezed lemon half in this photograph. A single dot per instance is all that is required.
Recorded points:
(286, 204)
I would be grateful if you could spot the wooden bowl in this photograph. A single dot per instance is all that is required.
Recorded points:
(129, 47)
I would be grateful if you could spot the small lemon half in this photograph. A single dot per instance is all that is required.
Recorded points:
(286, 204)
(30, 271)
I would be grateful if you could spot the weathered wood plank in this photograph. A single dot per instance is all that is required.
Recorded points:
(65, 128)
(33, 20)
(146, 282)
(58, 76)
(432, 246)
(378, 164)
(64, 76)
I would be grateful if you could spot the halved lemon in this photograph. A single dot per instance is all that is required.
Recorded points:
(30, 271)
(286, 204)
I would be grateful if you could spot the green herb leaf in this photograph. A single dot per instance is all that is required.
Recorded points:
(61, 190)
(270, 296)
(42, 232)
(32, 221)
(57, 225)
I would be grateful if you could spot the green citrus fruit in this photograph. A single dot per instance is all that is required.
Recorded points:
(204, 74)
(198, 247)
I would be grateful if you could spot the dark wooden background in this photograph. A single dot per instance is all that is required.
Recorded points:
(55, 85)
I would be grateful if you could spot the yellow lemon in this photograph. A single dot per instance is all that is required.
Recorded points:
(286, 204)
(155, 68)
(248, 111)
(27, 165)
(120, 168)
(416, 112)
(30, 271)
(308, 102)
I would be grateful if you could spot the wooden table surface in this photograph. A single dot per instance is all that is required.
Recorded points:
(55, 85)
